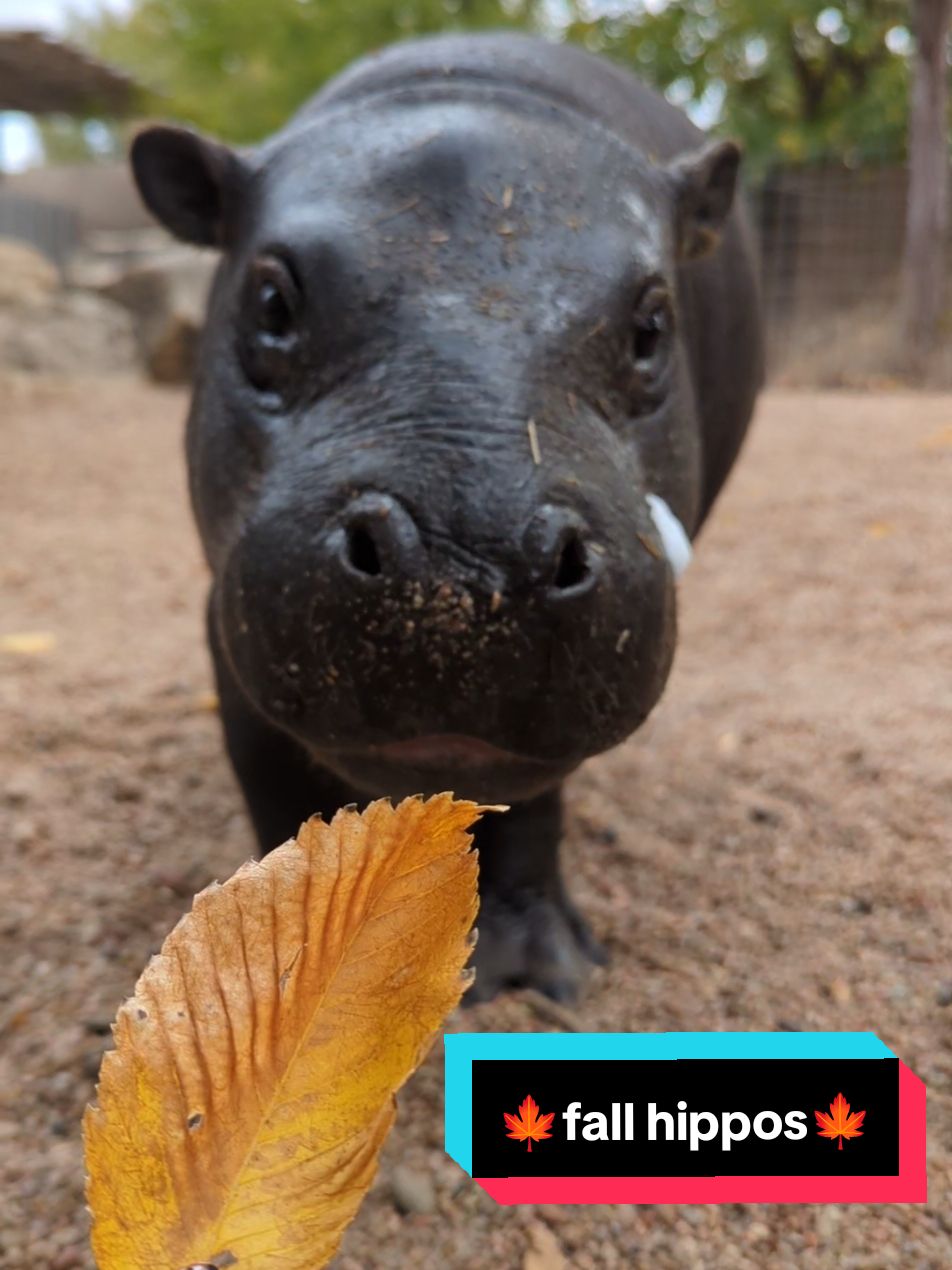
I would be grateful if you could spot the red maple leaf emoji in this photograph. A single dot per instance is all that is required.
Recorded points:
(839, 1123)
(529, 1126)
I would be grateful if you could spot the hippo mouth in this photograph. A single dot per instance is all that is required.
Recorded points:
(444, 750)
(438, 761)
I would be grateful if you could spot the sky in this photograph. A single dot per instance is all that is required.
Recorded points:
(51, 15)
(19, 142)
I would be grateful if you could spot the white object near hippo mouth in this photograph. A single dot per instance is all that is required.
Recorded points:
(673, 535)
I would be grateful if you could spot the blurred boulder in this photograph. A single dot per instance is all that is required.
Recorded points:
(27, 278)
(69, 333)
(135, 302)
(166, 298)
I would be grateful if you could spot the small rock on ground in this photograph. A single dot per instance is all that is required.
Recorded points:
(412, 1191)
(544, 1251)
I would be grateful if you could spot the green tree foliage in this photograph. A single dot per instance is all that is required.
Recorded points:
(796, 80)
(239, 68)
(793, 79)
(66, 139)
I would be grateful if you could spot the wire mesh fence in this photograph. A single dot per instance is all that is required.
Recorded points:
(49, 227)
(831, 244)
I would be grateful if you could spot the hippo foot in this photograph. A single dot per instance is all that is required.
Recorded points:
(532, 942)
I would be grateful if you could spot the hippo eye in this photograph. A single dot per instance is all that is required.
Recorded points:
(653, 322)
(268, 325)
(273, 299)
(274, 312)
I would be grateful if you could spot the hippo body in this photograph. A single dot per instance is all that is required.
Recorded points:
(478, 300)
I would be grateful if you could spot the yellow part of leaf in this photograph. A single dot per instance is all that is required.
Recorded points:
(941, 440)
(879, 529)
(28, 643)
(252, 1085)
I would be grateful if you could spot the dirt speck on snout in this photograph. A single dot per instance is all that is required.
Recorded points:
(771, 851)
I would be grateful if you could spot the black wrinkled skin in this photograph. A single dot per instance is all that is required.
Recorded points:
(471, 221)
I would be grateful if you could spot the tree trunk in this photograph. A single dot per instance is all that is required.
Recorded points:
(927, 202)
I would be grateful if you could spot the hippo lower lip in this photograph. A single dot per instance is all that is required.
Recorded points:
(445, 750)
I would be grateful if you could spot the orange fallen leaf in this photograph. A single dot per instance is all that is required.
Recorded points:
(28, 643)
(878, 529)
(941, 440)
(528, 1126)
(241, 1115)
(839, 1123)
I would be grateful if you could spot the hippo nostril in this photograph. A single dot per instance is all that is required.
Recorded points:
(362, 553)
(562, 559)
(573, 566)
(375, 540)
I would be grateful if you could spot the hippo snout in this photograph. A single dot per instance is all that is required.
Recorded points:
(372, 621)
(376, 543)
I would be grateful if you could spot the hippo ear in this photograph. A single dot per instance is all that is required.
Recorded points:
(188, 182)
(704, 183)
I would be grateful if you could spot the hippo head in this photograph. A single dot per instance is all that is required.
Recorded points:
(443, 372)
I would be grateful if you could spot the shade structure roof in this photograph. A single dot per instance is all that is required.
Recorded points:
(42, 75)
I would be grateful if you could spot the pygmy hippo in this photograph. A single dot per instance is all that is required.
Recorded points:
(481, 350)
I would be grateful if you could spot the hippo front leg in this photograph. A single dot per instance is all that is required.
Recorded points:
(282, 786)
(530, 932)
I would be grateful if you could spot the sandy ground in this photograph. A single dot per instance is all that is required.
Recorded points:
(771, 851)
